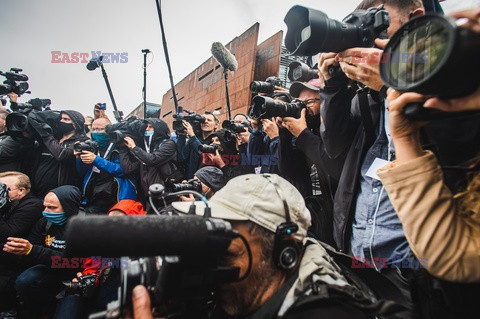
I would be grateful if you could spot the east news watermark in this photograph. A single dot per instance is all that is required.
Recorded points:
(84, 57)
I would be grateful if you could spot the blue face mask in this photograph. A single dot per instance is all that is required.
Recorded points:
(102, 139)
(148, 133)
(56, 218)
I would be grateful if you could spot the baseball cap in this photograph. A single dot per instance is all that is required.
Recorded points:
(297, 87)
(254, 197)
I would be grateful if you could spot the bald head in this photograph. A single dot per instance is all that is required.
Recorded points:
(99, 124)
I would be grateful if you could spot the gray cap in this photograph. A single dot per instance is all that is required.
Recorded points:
(212, 177)
(254, 197)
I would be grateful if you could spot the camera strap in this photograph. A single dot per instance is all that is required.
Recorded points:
(366, 117)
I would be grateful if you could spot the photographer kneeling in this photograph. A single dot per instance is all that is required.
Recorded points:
(211, 181)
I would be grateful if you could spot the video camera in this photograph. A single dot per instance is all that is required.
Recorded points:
(264, 108)
(265, 87)
(84, 286)
(311, 31)
(32, 104)
(18, 122)
(425, 55)
(15, 82)
(194, 119)
(88, 146)
(236, 127)
(132, 127)
(181, 282)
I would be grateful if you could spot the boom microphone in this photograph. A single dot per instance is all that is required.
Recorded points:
(224, 56)
(115, 236)
(145, 51)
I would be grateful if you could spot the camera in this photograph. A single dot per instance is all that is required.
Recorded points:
(15, 82)
(191, 185)
(301, 72)
(264, 108)
(102, 106)
(265, 87)
(18, 122)
(208, 148)
(236, 127)
(34, 104)
(311, 31)
(84, 286)
(194, 119)
(132, 127)
(425, 55)
(87, 146)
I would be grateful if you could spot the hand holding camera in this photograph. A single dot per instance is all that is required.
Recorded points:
(129, 142)
(87, 157)
(294, 125)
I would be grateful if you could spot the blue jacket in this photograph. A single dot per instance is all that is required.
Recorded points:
(126, 185)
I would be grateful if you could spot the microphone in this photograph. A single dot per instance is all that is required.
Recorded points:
(224, 57)
(94, 63)
(115, 236)
(145, 51)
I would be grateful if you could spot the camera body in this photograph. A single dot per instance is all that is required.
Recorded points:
(194, 119)
(15, 82)
(265, 87)
(87, 146)
(265, 107)
(132, 127)
(191, 185)
(208, 148)
(236, 127)
(102, 106)
(84, 286)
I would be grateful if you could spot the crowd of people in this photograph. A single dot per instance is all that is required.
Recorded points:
(350, 210)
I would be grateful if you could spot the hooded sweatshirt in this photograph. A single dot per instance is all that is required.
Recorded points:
(55, 162)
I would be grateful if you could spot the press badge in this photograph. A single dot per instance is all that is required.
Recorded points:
(258, 170)
(377, 164)
(95, 169)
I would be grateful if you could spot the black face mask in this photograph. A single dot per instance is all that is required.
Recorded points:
(313, 121)
(65, 127)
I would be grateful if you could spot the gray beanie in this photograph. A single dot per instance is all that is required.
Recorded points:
(211, 176)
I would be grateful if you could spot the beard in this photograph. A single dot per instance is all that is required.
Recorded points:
(244, 297)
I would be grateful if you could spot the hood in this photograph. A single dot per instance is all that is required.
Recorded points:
(161, 130)
(78, 119)
(129, 207)
(70, 197)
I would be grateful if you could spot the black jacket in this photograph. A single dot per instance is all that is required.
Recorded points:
(20, 218)
(15, 153)
(157, 164)
(55, 162)
(342, 130)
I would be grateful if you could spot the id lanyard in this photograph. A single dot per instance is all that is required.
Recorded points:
(147, 146)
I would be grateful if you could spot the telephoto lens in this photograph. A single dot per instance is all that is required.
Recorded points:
(264, 108)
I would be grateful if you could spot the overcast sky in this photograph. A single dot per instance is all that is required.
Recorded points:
(31, 30)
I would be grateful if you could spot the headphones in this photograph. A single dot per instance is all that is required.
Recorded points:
(286, 251)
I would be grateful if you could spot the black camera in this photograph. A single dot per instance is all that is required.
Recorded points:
(34, 104)
(18, 122)
(236, 127)
(311, 31)
(264, 108)
(84, 287)
(194, 119)
(191, 185)
(132, 127)
(301, 72)
(425, 55)
(265, 87)
(15, 82)
(87, 146)
(208, 148)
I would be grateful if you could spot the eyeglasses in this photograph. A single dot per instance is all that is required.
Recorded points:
(310, 101)
(98, 130)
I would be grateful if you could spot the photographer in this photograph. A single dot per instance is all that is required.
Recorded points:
(104, 181)
(154, 159)
(211, 179)
(38, 285)
(309, 285)
(55, 159)
(189, 148)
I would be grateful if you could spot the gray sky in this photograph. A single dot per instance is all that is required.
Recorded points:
(31, 29)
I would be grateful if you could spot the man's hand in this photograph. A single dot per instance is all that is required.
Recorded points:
(466, 103)
(87, 157)
(270, 127)
(242, 138)
(362, 65)
(13, 97)
(472, 16)
(129, 142)
(325, 60)
(17, 246)
(188, 128)
(141, 304)
(295, 126)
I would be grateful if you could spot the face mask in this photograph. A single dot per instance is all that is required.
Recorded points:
(65, 127)
(56, 218)
(148, 133)
(102, 139)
